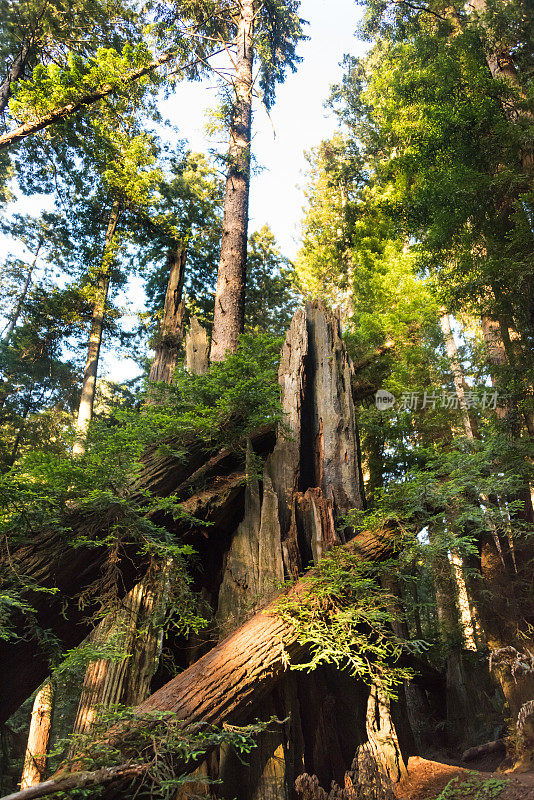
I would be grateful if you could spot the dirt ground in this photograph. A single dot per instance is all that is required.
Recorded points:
(427, 779)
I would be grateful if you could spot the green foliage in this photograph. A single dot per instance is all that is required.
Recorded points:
(158, 740)
(278, 29)
(53, 86)
(48, 489)
(473, 788)
(10, 602)
(270, 301)
(344, 616)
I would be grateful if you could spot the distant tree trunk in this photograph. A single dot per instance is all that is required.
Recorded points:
(171, 333)
(457, 374)
(38, 736)
(14, 73)
(22, 297)
(229, 312)
(85, 410)
(493, 344)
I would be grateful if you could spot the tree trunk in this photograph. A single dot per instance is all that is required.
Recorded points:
(171, 329)
(234, 676)
(209, 488)
(85, 410)
(229, 315)
(460, 711)
(38, 736)
(135, 633)
(309, 480)
(134, 626)
(226, 684)
(20, 302)
(15, 73)
(457, 374)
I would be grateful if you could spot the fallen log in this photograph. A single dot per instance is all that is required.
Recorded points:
(226, 684)
(80, 780)
(498, 746)
(211, 488)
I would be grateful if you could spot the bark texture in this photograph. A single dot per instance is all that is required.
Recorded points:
(229, 314)
(134, 632)
(230, 679)
(196, 348)
(288, 516)
(310, 478)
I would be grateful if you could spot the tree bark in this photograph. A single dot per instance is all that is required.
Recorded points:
(229, 315)
(38, 736)
(226, 684)
(310, 479)
(134, 627)
(85, 410)
(197, 348)
(135, 624)
(212, 490)
(171, 329)
(288, 522)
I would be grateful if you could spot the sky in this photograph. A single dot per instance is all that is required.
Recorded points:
(298, 122)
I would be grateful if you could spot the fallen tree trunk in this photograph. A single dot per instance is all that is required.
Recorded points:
(49, 563)
(226, 684)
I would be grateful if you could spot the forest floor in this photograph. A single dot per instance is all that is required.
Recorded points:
(427, 780)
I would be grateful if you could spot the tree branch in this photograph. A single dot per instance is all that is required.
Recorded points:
(61, 113)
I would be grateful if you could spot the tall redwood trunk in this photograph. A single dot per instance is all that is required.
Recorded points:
(85, 410)
(171, 330)
(228, 318)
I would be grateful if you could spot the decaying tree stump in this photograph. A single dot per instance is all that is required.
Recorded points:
(290, 516)
(197, 348)
(309, 480)
(171, 328)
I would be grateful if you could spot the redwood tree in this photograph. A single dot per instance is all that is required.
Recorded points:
(269, 31)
